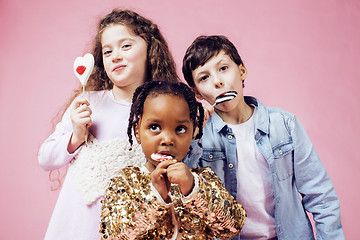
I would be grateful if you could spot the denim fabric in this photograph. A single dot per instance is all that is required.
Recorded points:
(295, 167)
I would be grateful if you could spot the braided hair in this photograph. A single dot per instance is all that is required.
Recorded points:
(156, 88)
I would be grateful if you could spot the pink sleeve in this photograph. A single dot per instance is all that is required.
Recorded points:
(53, 152)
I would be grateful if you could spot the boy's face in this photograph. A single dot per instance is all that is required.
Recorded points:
(217, 76)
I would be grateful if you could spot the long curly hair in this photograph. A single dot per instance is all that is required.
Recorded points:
(160, 63)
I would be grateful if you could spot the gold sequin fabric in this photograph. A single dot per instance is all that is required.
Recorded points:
(131, 210)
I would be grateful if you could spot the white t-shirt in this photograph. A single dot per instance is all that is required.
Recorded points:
(255, 190)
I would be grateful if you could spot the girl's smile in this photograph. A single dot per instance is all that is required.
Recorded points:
(124, 58)
(119, 68)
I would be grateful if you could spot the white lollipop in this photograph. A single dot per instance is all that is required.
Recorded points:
(83, 67)
(225, 97)
(160, 157)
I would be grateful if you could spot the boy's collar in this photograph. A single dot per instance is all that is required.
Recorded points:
(219, 124)
(262, 123)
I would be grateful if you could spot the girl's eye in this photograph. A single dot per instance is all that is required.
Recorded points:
(181, 129)
(107, 52)
(154, 127)
(223, 68)
(126, 46)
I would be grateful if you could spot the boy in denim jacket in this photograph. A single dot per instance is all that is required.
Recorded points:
(262, 155)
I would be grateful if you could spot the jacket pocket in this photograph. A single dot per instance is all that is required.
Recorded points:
(283, 160)
(216, 160)
(212, 155)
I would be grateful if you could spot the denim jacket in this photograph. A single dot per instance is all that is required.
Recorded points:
(294, 165)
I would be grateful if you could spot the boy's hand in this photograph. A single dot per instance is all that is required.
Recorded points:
(160, 179)
(208, 111)
(81, 120)
(179, 173)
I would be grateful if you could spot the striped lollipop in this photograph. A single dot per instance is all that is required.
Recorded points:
(225, 97)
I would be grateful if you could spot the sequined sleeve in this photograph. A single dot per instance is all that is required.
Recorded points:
(130, 210)
(212, 212)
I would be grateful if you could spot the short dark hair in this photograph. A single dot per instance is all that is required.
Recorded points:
(202, 49)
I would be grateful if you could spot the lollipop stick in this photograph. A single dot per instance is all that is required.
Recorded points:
(86, 136)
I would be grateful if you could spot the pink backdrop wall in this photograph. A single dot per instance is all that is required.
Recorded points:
(301, 55)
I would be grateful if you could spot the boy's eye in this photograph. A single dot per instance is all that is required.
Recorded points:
(154, 127)
(181, 129)
(203, 78)
(223, 68)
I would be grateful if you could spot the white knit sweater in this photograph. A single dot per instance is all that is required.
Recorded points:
(97, 162)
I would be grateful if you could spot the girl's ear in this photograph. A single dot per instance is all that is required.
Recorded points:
(136, 132)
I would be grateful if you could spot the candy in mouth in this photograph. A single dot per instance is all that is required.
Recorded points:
(225, 97)
(160, 157)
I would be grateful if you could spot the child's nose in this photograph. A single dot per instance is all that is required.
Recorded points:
(117, 55)
(167, 139)
(218, 82)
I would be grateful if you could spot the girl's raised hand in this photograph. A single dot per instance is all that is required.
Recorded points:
(81, 120)
(160, 180)
(179, 173)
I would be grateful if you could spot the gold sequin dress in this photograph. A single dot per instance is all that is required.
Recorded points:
(133, 209)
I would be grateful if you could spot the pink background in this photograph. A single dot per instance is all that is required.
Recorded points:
(301, 55)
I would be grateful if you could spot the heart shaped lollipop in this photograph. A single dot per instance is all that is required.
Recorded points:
(83, 67)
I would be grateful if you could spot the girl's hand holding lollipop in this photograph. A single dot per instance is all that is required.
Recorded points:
(83, 67)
